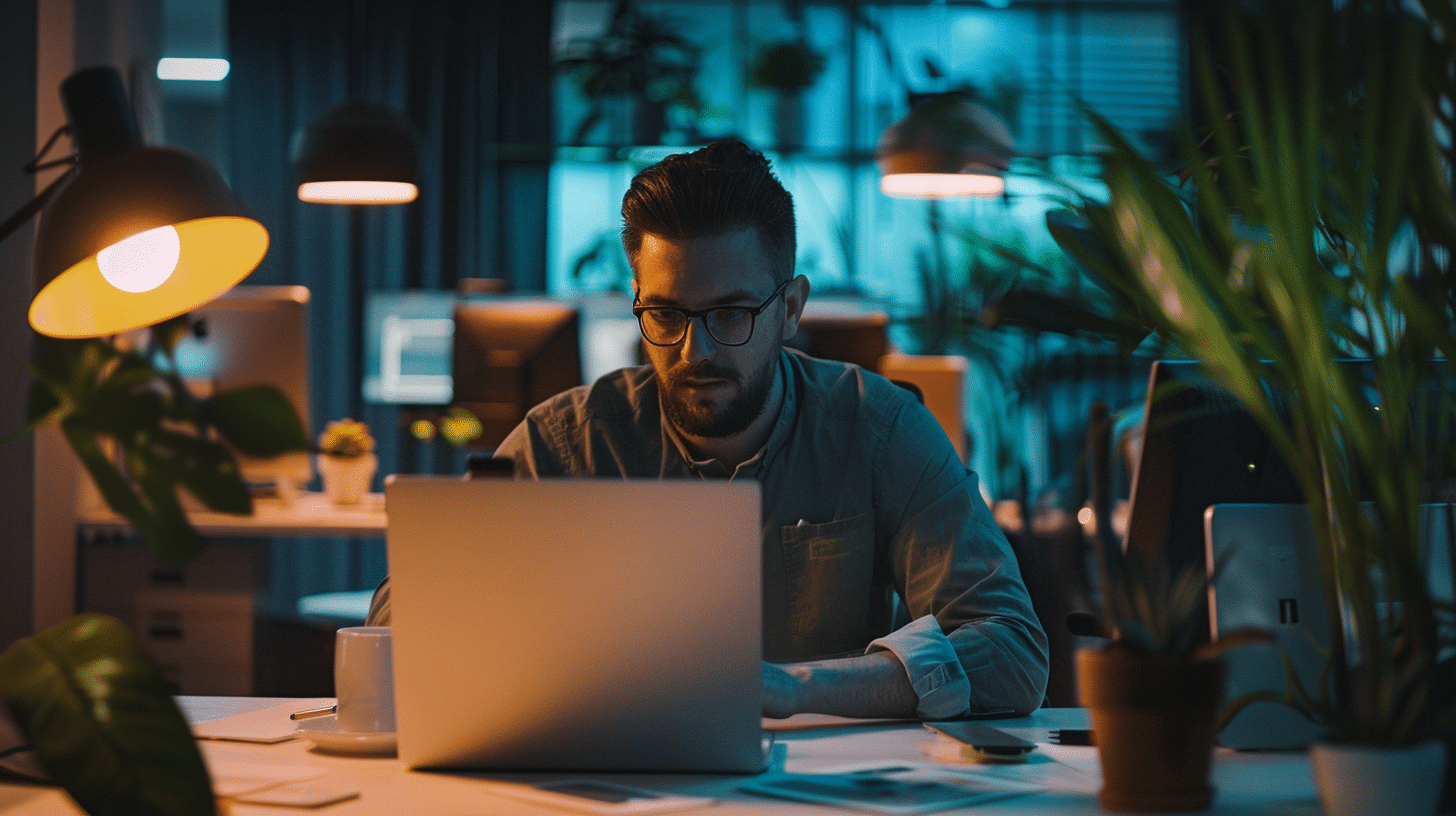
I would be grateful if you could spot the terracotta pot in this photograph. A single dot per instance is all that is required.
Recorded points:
(1401, 780)
(1154, 718)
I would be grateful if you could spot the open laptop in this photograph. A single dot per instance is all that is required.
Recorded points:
(576, 624)
(1271, 580)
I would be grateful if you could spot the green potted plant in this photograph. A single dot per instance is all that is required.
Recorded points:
(1315, 223)
(787, 68)
(1154, 690)
(630, 74)
(346, 460)
(87, 698)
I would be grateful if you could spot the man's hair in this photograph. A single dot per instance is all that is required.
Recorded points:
(719, 189)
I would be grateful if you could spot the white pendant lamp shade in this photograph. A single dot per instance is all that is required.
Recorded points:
(139, 233)
(949, 147)
(356, 154)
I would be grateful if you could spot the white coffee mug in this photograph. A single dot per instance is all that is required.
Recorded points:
(364, 679)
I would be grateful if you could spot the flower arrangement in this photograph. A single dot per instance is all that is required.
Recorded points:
(458, 427)
(346, 438)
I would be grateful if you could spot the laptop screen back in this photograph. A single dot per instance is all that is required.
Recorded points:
(581, 624)
(1271, 580)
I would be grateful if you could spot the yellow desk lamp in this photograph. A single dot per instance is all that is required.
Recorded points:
(133, 234)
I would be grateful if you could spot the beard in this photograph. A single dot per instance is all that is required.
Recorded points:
(706, 418)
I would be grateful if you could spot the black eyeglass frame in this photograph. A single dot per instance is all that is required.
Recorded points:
(689, 314)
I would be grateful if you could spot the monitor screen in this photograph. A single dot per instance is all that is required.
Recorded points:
(509, 355)
(254, 335)
(1200, 447)
(407, 346)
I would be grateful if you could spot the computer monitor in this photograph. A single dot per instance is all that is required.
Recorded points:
(407, 346)
(1199, 447)
(254, 335)
(508, 355)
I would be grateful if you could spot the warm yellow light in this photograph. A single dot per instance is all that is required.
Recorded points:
(142, 262)
(357, 192)
(214, 255)
(942, 185)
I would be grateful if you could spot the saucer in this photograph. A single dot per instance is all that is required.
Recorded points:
(324, 732)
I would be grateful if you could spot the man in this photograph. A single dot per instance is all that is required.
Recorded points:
(867, 509)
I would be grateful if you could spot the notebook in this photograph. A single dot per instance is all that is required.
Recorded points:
(576, 624)
(1271, 579)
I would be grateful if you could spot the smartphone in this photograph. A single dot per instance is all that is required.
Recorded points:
(992, 742)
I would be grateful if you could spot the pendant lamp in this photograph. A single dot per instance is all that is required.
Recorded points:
(133, 234)
(948, 147)
(356, 153)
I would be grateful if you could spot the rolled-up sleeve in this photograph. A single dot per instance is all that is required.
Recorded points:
(975, 644)
(934, 667)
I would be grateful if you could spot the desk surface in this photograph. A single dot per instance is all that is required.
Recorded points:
(1269, 783)
(308, 514)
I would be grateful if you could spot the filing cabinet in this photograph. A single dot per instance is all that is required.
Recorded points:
(199, 621)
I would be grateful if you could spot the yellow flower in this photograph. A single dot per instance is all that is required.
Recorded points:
(346, 437)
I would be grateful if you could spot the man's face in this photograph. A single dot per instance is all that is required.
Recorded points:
(707, 389)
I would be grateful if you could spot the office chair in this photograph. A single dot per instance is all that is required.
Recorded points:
(861, 339)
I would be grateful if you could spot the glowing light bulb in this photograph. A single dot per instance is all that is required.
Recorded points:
(941, 185)
(357, 192)
(142, 262)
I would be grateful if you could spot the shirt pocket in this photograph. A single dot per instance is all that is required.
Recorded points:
(830, 572)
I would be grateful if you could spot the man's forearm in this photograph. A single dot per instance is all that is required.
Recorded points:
(870, 685)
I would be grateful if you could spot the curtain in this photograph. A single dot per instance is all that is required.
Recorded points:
(471, 76)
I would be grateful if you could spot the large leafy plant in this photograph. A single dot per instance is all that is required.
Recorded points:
(142, 435)
(88, 698)
(1315, 222)
(639, 55)
(100, 720)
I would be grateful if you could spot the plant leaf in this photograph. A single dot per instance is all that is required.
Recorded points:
(174, 539)
(258, 420)
(102, 722)
(208, 471)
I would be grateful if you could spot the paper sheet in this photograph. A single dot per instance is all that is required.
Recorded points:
(234, 774)
(268, 725)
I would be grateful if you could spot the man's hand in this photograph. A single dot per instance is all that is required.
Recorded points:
(872, 686)
(781, 689)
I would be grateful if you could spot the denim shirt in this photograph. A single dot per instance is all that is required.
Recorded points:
(875, 536)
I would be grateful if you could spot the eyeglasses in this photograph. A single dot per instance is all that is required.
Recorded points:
(727, 325)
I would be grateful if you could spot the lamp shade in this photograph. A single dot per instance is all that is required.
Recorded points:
(356, 153)
(139, 233)
(949, 147)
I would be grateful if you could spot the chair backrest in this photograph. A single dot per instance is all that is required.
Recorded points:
(861, 339)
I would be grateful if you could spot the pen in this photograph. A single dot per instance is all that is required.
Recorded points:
(313, 712)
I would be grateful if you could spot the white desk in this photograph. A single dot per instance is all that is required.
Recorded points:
(1273, 783)
(309, 514)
